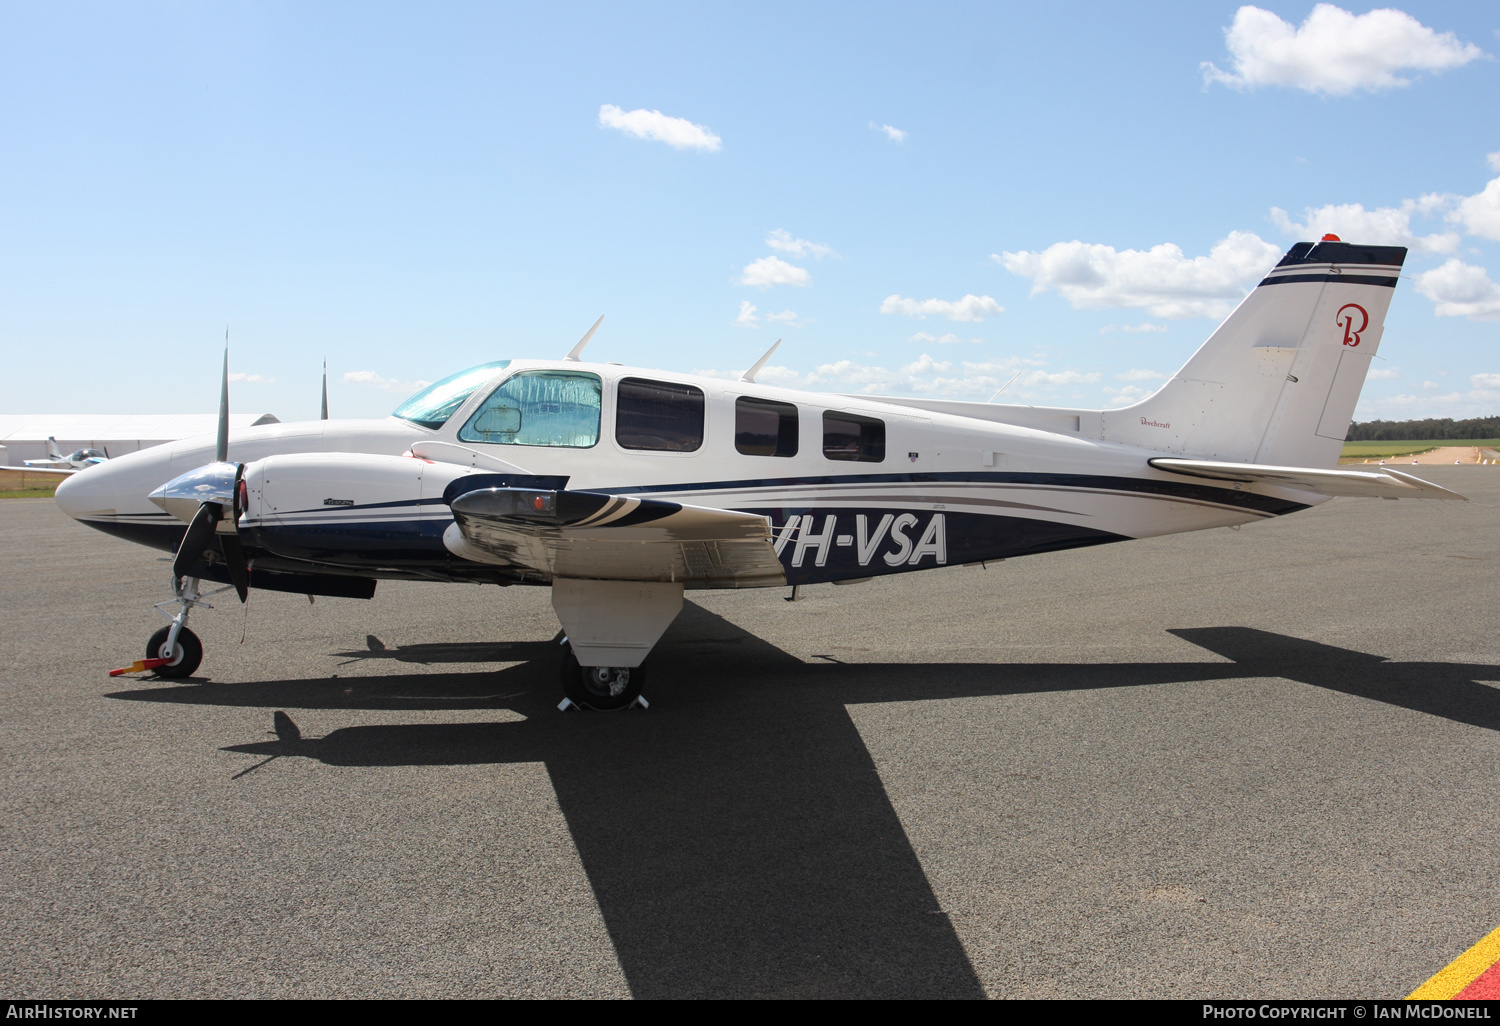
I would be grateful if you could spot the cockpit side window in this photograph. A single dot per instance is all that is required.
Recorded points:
(432, 406)
(658, 416)
(555, 408)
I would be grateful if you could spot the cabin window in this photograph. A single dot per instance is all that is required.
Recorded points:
(764, 427)
(556, 408)
(658, 416)
(848, 436)
(432, 406)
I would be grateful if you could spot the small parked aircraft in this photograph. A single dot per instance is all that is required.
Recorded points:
(77, 460)
(619, 488)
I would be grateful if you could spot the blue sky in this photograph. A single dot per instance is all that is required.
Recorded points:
(919, 199)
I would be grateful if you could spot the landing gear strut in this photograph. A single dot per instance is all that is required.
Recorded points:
(602, 688)
(174, 642)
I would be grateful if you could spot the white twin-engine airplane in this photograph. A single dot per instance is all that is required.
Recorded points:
(621, 488)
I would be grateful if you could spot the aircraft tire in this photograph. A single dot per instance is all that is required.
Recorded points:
(189, 653)
(581, 685)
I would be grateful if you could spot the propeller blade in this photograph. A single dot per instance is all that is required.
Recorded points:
(238, 566)
(199, 536)
(221, 448)
(325, 390)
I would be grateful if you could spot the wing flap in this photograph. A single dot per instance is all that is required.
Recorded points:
(595, 536)
(1386, 483)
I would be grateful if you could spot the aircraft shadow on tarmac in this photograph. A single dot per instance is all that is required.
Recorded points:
(455, 652)
(738, 838)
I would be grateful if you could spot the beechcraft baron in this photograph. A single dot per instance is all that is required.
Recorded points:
(620, 488)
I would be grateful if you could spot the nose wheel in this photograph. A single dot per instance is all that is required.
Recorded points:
(183, 655)
(602, 688)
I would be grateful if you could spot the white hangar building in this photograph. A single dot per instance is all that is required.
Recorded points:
(23, 436)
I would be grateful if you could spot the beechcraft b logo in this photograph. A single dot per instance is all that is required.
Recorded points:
(1346, 320)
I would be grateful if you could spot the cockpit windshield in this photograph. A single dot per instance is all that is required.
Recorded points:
(432, 406)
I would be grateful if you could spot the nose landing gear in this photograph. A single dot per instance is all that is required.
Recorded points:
(183, 654)
(174, 651)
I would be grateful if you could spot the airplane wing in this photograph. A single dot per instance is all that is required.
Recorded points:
(591, 535)
(1386, 483)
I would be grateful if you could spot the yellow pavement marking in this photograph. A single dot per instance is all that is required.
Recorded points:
(1462, 971)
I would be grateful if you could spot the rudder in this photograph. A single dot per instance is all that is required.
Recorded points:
(1278, 381)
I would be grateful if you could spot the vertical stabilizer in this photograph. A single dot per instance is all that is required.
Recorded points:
(1277, 382)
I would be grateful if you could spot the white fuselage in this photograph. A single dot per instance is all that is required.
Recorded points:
(946, 488)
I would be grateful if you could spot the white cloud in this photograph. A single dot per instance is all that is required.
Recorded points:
(1481, 399)
(949, 339)
(1144, 326)
(1334, 52)
(969, 308)
(1161, 279)
(895, 135)
(925, 364)
(785, 317)
(1382, 374)
(1480, 213)
(938, 378)
(1461, 290)
(768, 271)
(1493, 160)
(1384, 226)
(930, 376)
(678, 133)
(251, 379)
(1127, 395)
(1141, 375)
(782, 240)
(1067, 377)
(364, 377)
(747, 318)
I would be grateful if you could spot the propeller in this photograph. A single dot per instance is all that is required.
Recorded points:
(209, 499)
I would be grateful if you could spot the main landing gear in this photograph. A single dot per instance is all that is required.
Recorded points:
(602, 688)
(611, 627)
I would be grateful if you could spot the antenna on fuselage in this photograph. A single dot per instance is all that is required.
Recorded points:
(325, 390)
(1003, 387)
(749, 375)
(221, 447)
(576, 353)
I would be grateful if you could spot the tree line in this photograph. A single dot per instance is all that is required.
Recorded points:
(1422, 430)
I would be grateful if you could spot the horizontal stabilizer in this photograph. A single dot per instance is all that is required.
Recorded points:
(594, 536)
(1383, 484)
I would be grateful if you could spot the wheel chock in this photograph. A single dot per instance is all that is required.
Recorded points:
(139, 665)
(568, 703)
(640, 703)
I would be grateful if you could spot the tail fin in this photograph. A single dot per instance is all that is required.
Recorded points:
(54, 451)
(1277, 382)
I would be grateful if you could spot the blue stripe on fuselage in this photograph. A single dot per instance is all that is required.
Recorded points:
(1174, 489)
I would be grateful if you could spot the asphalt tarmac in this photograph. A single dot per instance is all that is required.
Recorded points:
(1256, 763)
